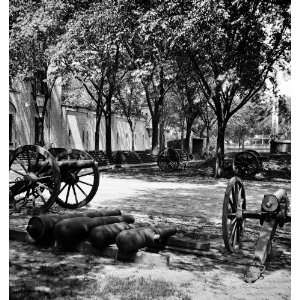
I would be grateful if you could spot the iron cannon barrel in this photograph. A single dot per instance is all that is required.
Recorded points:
(104, 235)
(130, 241)
(66, 164)
(76, 164)
(68, 233)
(41, 227)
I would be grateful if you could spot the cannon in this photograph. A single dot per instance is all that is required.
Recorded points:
(68, 233)
(171, 159)
(247, 163)
(36, 177)
(105, 235)
(130, 241)
(41, 228)
(272, 213)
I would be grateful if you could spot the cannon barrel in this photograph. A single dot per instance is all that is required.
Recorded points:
(104, 235)
(68, 233)
(130, 241)
(66, 164)
(76, 164)
(41, 227)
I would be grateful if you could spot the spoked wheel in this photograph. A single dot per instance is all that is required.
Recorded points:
(258, 156)
(232, 219)
(246, 164)
(34, 179)
(168, 160)
(79, 185)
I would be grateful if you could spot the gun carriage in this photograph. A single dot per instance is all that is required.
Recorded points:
(247, 163)
(171, 159)
(37, 178)
(272, 213)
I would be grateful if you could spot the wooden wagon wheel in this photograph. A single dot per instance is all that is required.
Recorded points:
(78, 186)
(246, 164)
(168, 160)
(232, 218)
(258, 156)
(34, 179)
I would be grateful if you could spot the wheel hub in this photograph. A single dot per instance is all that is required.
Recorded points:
(71, 178)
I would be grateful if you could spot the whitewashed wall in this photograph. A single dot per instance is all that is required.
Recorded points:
(69, 127)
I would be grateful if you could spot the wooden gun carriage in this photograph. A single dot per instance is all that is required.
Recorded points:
(40, 177)
(171, 159)
(272, 213)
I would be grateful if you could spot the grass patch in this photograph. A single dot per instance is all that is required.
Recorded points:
(139, 289)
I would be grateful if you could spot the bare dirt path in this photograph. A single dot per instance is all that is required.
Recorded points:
(194, 204)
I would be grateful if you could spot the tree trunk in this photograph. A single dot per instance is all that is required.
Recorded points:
(220, 150)
(189, 124)
(97, 130)
(182, 135)
(132, 138)
(162, 135)
(207, 139)
(108, 135)
(154, 135)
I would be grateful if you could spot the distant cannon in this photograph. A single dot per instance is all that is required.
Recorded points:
(172, 159)
(36, 177)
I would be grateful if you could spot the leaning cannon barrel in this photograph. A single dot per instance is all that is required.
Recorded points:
(104, 235)
(41, 227)
(68, 233)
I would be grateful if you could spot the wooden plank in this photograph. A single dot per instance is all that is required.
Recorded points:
(188, 243)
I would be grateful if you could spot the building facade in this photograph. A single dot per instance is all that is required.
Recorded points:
(67, 126)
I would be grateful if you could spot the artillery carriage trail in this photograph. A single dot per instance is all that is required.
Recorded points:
(39, 179)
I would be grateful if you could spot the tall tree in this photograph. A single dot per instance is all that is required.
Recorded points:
(148, 48)
(234, 46)
(35, 27)
(129, 104)
(90, 51)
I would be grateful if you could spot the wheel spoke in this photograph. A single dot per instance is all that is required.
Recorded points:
(68, 192)
(83, 192)
(232, 233)
(75, 194)
(18, 172)
(62, 188)
(85, 182)
(45, 187)
(41, 194)
(44, 177)
(21, 164)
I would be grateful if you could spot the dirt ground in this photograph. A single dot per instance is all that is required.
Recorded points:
(194, 205)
